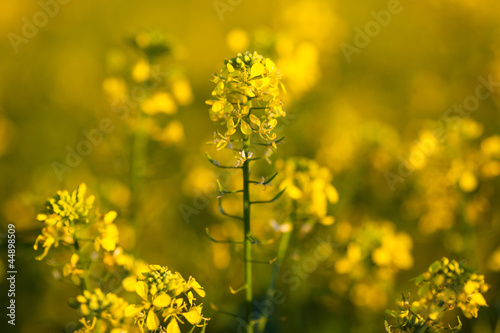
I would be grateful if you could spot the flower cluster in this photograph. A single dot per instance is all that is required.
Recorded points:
(169, 294)
(246, 98)
(308, 190)
(453, 180)
(61, 214)
(369, 147)
(107, 232)
(152, 42)
(106, 307)
(131, 267)
(73, 269)
(367, 261)
(161, 95)
(375, 244)
(446, 285)
(96, 257)
(307, 29)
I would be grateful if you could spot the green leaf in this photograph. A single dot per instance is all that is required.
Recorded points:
(423, 329)
(387, 326)
(270, 179)
(459, 326)
(435, 266)
(391, 313)
(219, 185)
(73, 303)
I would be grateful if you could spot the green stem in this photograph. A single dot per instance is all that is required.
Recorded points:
(469, 233)
(247, 240)
(282, 249)
(138, 159)
(98, 326)
(83, 281)
(284, 241)
(138, 165)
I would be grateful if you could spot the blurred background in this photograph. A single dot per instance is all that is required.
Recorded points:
(399, 101)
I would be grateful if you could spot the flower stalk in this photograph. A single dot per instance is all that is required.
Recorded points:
(245, 102)
(247, 238)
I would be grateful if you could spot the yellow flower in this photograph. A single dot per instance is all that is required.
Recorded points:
(308, 189)
(88, 326)
(108, 232)
(102, 305)
(68, 207)
(166, 294)
(160, 102)
(52, 235)
(238, 40)
(115, 88)
(141, 71)
(72, 268)
(468, 181)
(181, 89)
(491, 146)
(446, 284)
(246, 98)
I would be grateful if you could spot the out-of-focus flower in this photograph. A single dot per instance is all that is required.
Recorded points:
(132, 266)
(181, 89)
(171, 133)
(494, 260)
(314, 21)
(52, 235)
(107, 308)
(376, 244)
(160, 102)
(452, 176)
(238, 40)
(61, 214)
(152, 43)
(73, 269)
(301, 66)
(308, 191)
(87, 326)
(371, 145)
(367, 260)
(67, 207)
(115, 88)
(141, 71)
(369, 294)
(108, 235)
(153, 112)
